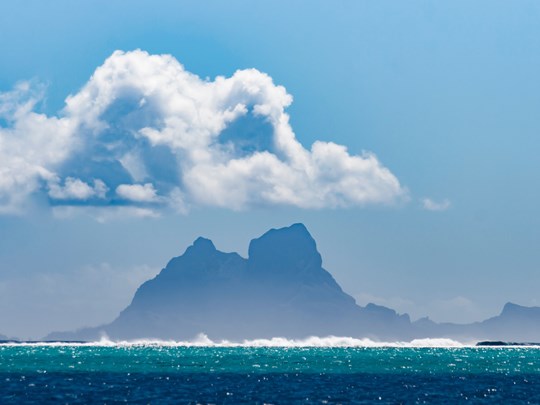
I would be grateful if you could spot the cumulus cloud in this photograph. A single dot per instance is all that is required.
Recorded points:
(32, 145)
(159, 135)
(431, 205)
(76, 189)
(137, 192)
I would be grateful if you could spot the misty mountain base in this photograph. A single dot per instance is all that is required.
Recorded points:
(281, 289)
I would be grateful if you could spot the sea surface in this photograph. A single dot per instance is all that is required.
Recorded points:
(275, 371)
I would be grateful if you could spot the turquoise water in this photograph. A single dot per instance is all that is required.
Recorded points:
(190, 374)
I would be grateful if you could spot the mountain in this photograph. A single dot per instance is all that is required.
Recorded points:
(515, 323)
(281, 289)
(4, 338)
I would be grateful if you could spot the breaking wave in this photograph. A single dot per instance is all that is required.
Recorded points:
(204, 341)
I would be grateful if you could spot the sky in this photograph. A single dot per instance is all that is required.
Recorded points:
(404, 135)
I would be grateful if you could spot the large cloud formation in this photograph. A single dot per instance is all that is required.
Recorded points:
(143, 132)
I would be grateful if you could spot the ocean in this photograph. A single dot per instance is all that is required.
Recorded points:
(326, 371)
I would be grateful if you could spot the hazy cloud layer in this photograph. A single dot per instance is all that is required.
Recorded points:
(440, 310)
(98, 291)
(143, 132)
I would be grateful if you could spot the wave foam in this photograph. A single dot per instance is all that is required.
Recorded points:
(204, 341)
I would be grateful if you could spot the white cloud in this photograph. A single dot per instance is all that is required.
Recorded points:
(104, 214)
(137, 192)
(431, 205)
(76, 189)
(32, 145)
(157, 133)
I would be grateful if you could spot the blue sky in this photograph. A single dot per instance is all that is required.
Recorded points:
(444, 94)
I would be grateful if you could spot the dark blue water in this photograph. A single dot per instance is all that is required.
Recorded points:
(180, 374)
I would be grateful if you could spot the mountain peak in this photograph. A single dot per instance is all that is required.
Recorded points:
(297, 234)
(297, 227)
(286, 250)
(202, 245)
(511, 309)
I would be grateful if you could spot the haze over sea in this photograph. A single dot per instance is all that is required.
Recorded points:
(328, 370)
